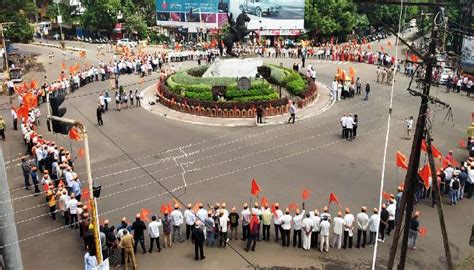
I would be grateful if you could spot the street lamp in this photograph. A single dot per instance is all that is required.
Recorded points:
(59, 19)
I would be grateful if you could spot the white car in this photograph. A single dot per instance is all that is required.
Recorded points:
(127, 42)
(443, 77)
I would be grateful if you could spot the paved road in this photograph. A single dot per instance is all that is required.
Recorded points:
(221, 161)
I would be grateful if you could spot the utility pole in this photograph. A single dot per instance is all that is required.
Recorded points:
(439, 206)
(411, 181)
(8, 234)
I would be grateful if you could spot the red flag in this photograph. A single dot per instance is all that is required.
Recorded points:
(74, 134)
(33, 84)
(455, 163)
(413, 58)
(462, 144)
(144, 214)
(293, 206)
(85, 194)
(385, 195)
(45, 187)
(264, 200)
(445, 162)
(273, 209)
(164, 209)
(170, 209)
(81, 153)
(423, 231)
(305, 194)
(425, 174)
(401, 160)
(332, 198)
(254, 188)
(22, 112)
(434, 150)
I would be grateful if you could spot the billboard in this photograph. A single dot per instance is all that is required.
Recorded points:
(278, 15)
(467, 54)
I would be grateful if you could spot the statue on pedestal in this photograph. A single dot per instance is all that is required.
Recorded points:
(238, 31)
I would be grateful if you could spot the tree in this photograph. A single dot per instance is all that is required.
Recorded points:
(330, 17)
(147, 8)
(65, 11)
(18, 13)
(135, 25)
(101, 15)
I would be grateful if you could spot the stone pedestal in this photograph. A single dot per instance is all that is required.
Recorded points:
(234, 67)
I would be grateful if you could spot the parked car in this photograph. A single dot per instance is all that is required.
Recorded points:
(260, 7)
(127, 42)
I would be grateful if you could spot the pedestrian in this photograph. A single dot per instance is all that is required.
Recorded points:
(259, 114)
(2, 128)
(154, 233)
(348, 229)
(130, 96)
(316, 228)
(384, 216)
(254, 226)
(99, 113)
(373, 227)
(343, 126)
(25, 167)
(414, 231)
(198, 240)
(190, 220)
(118, 101)
(101, 101)
(454, 187)
(324, 228)
(245, 221)
(90, 261)
(106, 100)
(234, 223)
(349, 123)
(392, 209)
(34, 179)
(127, 243)
(51, 198)
(266, 221)
(307, 227)
(256, 209)
(358, 86)
(362, 225)
(167, 228)
(138, 229)
(367, 91)
(223, 227)
(177, 219)
(297, 226)
(354, 127)
(14, 118)
(409, 125)
(276, 221)
(292, 113)
(210, 228)
(285, 222)
(338, 231)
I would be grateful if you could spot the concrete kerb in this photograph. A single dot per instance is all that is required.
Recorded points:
(149, 95)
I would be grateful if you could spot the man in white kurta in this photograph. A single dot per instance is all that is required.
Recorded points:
(338, 230)
(307, 229)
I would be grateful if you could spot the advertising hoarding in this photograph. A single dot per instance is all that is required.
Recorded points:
(280, 15)
(467, 54)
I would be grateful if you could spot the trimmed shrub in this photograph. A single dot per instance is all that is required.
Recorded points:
(296, 87)
(197, 71)
(199, 96)
(184, 78)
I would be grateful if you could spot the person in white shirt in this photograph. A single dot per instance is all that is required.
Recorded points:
(362, 225)
(285, 222)
(154, 232)
(276, 221)
(348, 228)
(189, 219)
(326, 213)
(349, 123)
(63, 201)
(307, 227)
(71, 207)
(15, 118)
(338, 230)
(223, 226)
(297, 226)
(325, 226)
(201, 215)
(373, 226)
(316, 228)
(245, 221)
(409, 125)
(392, 208)
(177, 220)
(343, 125)
(334, 93)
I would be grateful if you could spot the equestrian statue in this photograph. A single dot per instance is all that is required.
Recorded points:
(237, 32)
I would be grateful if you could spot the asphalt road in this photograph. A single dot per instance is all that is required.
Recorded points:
(220, 162)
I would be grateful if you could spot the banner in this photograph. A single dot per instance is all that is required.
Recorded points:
(467, 54)
(196, 13)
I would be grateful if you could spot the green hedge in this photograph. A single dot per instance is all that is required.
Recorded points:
(200, 96)
(271, 96)
(288, 78)
(296, 87)
(184, 78)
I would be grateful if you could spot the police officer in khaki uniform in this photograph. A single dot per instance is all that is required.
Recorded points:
(127, 244)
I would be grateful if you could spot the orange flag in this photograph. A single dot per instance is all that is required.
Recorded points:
(254, 188)
(164, 209)
(333, 198)
(85, 194)
(81, 153)
(33, 84)
(413, 58)
(145, 214)
(462, 144)
(305, 194)
(63, 67)
(434, 150)
(401, 160)
(264, 201)
(82, 54)
(425, 174)
(22, 112)
(170, 209)
(273, 209)
(423, 231)
(385, 195)
(74, 134)
(293, 206)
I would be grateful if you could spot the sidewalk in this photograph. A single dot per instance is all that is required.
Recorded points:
(321, 104)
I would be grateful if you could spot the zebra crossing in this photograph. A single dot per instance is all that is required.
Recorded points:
(329, 62)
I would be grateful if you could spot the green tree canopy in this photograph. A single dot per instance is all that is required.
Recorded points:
(19, 12)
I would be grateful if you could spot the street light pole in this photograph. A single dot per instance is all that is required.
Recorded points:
(4, 44)
(59, 18)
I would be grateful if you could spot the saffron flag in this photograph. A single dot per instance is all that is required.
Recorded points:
(170, 208)
(385, 195)
(462, 144)
(163, 209)
(45, 187)
(264, 201)
(401, 160)
(82, 54)
(33, 84)
(333, 198)
(423, 231)
(145, 214)
(63, 67)
(434, 150)
(273, 209)
(413, 58)
(85, 194)
(305, 194)
(425, 174)
(74, 134)
(445, 162)
(81, 153)
(293, 206)
(254, 188)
